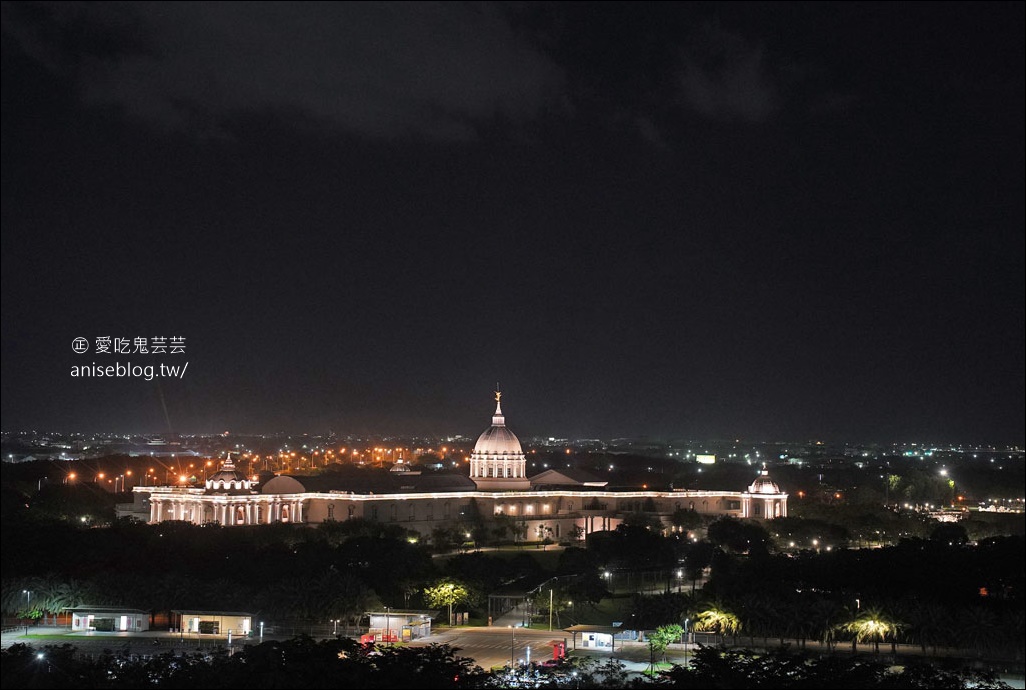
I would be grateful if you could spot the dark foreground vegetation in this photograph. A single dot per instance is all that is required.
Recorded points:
(305, 663)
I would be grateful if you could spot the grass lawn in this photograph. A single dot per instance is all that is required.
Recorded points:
(659, 666)
(547, 558)
(607, 611)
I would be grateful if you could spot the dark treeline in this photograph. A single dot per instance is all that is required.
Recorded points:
(305, 663)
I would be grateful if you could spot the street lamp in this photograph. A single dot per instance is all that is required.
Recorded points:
(686, 621)
(512, 640)
(261, 631)
(28, 603)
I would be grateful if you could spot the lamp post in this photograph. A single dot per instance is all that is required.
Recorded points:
(512, 639)
(686, 621)
(388, 624)
(261, 631)
(550, 610)
(28, 603)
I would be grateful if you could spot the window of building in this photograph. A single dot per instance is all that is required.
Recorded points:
(331, 511)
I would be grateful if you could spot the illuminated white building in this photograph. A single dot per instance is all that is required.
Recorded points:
(498, 462)
(558, 504)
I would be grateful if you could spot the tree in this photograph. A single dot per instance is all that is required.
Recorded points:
(739, 536)
(664, 636)
(699, 557)
(719, 619)
(871, 626)
(446, 593)
(949, 533)
(686, 520)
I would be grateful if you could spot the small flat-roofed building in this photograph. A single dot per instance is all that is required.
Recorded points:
(600, 637)
(191, 621)
(108, 619)
(399, 626)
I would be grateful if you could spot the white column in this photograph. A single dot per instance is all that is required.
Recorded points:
(299, 511)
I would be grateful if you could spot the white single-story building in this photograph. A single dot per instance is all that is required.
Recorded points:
(108, 619)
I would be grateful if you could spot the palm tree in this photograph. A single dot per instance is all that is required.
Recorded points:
(755, 614)
(803, 625)
(979, 628)
(870, 626)
(928, 624)
(823, 616)
(719, 619)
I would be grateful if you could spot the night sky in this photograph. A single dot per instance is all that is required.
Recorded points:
(785, 221)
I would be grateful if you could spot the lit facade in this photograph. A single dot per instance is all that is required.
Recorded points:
(560, 505)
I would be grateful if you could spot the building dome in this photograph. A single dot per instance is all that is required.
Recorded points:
(498, 461)
(228, 478)
(498, 440)
(763, 485)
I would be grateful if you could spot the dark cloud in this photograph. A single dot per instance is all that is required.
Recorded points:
(725, 77)
(378, 69)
